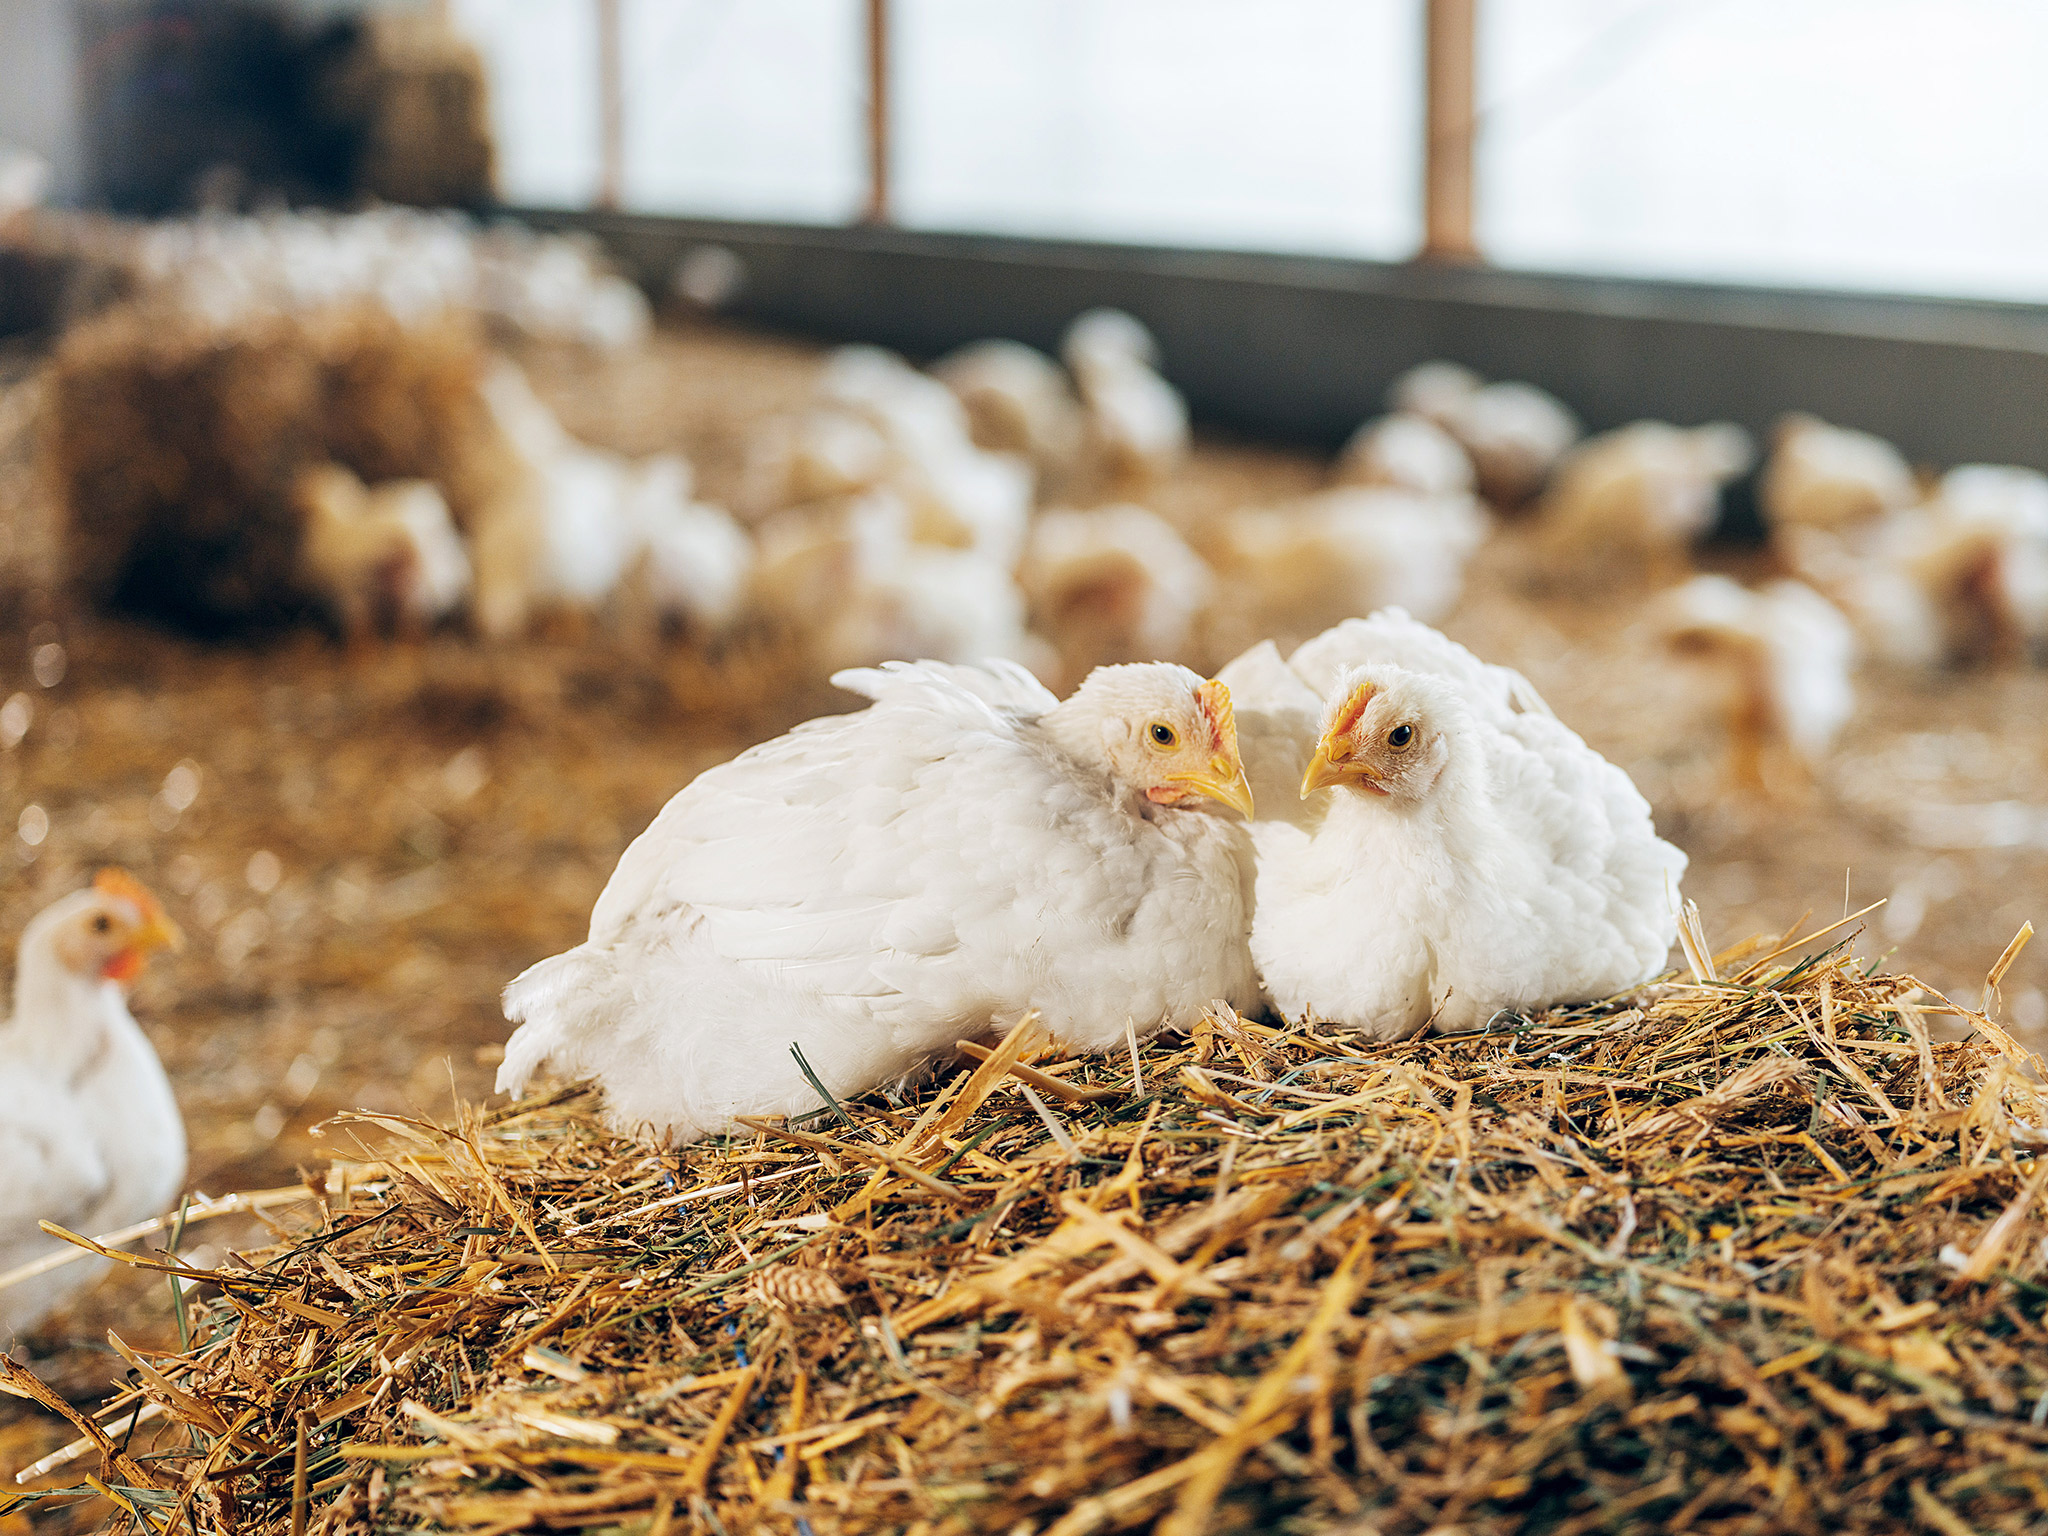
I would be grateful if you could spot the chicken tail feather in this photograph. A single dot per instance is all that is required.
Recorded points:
(534, 1000)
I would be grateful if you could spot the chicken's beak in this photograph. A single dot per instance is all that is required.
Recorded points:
(1333, 764)
(1222, 780)
(157, 932)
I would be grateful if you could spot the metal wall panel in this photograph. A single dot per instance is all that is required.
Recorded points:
(1303, 349)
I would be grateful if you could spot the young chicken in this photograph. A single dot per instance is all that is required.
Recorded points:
(1472, 860)
(606, 519)
(1136, 422)
(872, 887)
(1280, 703)
(90, 1135)
(1407, 452)
(959, 496)
(1962, 576)
(1435, 391)
(697, 558)
(1894, 615)
(1017, 401)
(379, 558)
(1640, 497)
(1113, 584)
(849, 580)
(812, 456)
(1821, 476)
(1515, 433)
(2010, 503)
(1295, 569)
(1785, 654)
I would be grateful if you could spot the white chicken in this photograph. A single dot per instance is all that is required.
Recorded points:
(871, 887)
(380, 558)
(959, 495)
(1136, 422)
(1513, 432)
(697, 559)
(813, 455)
(1297, 568)
(1408, 452)
(1017, 401)
(1785, 654)
(849, 579)
(1472, 855)
(1113, 584)
(1640, 496)
(606, 518)
(90, 1134)
(1434, 391)
(2012, 502)
(1280, 703)
(1892, 611)
(967, 499)
(1822, 476)
(412, 263)
(1961, 576)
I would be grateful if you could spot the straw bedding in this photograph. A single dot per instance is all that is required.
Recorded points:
(1746, 1251)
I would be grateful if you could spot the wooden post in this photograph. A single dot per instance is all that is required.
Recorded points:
(611, 105)
(1450, 115)
(877, 210)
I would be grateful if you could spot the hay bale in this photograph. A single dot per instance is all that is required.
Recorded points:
(174, 447)
(416, 96)
(1749, 1252)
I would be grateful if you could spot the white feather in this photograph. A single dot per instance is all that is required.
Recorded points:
(871, 887)
(1527, 874)
(90, 1134)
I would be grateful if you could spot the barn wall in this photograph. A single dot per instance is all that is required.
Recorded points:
(1304, 348)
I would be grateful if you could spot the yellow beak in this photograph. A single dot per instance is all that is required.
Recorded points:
(1224, 780)
(158, 932)
(1333, 765)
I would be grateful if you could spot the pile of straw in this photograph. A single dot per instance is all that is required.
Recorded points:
(1745, 1251)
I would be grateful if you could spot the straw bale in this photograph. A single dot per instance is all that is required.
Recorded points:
(173, 446)
(414, 93)
(1746, 1252)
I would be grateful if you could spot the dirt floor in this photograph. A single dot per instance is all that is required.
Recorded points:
(364, 845)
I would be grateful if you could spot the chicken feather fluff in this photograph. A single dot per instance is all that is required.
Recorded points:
(90, 1134)
(872, 887)
(1458, 850)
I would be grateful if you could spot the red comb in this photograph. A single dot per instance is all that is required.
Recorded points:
(1213, 700)
(1353, 708)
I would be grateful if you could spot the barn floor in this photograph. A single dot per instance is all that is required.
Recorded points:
(381, 837)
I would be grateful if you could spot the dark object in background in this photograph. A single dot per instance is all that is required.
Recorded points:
(173, 449)
(35, 286)
(1739, 518)
(239, 103)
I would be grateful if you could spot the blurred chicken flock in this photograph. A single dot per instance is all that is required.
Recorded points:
(371, 580)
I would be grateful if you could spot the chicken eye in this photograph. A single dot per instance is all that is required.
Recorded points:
(1400, 735)
(1162, 734)
(101, 923)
